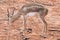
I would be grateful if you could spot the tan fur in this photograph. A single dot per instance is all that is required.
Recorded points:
(33, 8)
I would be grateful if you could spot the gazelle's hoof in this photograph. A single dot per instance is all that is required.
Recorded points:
(44, 36)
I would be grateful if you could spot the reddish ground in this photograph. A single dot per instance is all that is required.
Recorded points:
(12, 32)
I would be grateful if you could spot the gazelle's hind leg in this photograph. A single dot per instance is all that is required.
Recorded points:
(42, 15)
(44, 30)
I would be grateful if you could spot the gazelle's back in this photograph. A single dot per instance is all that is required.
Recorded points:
(32, 8)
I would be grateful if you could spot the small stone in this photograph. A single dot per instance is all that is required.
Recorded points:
(26, 38)
(29, 30)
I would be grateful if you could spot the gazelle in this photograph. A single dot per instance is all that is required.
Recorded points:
(33, 8)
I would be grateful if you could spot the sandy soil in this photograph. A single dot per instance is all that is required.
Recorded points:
(33, 22)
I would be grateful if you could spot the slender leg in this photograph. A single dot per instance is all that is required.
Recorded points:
(44, 32)
(42, 15)
(24, 22)
(23, 28)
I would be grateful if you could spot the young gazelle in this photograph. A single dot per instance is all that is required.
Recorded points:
(33, 8)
